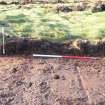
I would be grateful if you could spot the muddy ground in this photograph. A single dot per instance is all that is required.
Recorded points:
(37, 81)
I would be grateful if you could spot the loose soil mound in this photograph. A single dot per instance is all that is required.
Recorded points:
(30, 81)
(26, 46)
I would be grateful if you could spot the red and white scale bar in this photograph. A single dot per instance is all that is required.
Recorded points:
(61, 56)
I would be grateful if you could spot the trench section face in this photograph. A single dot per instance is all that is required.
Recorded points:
(19, 46)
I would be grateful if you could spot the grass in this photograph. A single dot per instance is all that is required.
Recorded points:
(38, 22)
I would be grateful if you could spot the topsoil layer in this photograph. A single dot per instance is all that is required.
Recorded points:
(26, 46)
(37, 81)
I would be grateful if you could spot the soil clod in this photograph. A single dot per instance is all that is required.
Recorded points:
(56, 76)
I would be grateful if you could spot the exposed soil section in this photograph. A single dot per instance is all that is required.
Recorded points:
(33, 81)
(16, 46)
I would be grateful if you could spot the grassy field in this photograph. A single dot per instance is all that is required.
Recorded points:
(38, 22)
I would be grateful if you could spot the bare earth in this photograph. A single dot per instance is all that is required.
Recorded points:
(36, 81)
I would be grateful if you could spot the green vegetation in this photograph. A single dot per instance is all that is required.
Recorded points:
(44, 23)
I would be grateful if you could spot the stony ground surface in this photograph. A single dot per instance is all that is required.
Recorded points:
(36, 81)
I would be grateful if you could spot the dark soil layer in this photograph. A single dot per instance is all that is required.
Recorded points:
(26, 46)
(31, 81)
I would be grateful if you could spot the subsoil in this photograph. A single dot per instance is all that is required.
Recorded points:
(37, 81)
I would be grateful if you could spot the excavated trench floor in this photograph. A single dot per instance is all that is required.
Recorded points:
(37, 81)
